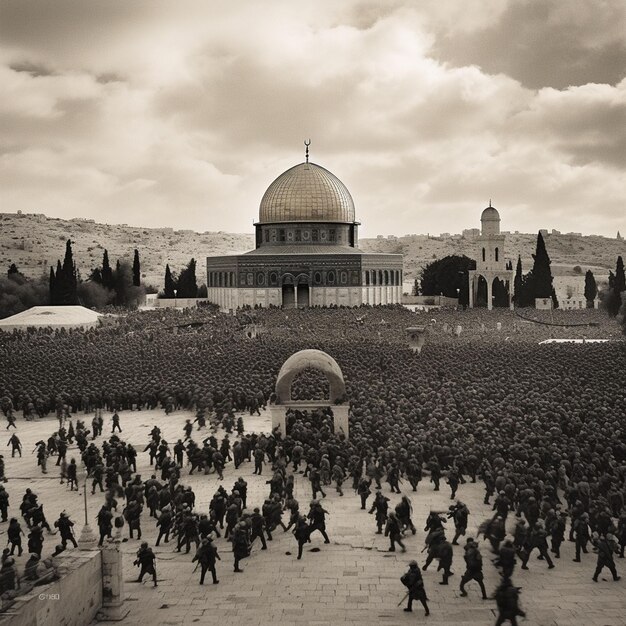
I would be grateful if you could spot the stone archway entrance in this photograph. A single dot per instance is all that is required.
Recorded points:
(296, 363)
(289, 292)
(302, 291)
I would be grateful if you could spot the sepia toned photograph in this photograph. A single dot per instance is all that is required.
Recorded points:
(313, 313)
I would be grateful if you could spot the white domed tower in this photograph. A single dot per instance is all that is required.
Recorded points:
(306, 251)
(491, 264)
(491, 242)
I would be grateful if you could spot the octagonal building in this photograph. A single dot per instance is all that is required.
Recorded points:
(306, 251)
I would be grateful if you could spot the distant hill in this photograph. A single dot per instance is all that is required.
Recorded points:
(34, 241)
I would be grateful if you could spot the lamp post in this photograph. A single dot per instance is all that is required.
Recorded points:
(87, 539)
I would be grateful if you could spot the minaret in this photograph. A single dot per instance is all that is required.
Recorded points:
(490, 259)
(491, 242)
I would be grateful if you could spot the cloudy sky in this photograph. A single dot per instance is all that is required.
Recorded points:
(181, 113)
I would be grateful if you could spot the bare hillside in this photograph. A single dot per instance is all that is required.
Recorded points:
(566, 251)
(34, 241)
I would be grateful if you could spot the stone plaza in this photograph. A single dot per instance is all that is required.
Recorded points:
(354, 580)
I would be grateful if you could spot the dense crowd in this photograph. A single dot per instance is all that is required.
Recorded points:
(542, 426)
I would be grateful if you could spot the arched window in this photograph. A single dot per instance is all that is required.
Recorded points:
(386, 277)
(496, 255)
(373, 277)
(367, 278)
(483, 255)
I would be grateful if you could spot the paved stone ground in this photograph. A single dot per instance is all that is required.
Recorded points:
(351, 581)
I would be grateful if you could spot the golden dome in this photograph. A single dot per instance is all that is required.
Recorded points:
(307, 193)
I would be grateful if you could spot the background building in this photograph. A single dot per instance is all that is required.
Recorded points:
(491, 273)
(306, 251)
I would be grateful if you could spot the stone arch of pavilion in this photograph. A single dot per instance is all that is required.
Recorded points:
(294, 365)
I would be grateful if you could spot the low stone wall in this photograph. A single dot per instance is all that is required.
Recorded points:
(73, 600)
(430, 300)
(177, 303)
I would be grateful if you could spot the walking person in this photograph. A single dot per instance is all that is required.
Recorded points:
(363, 490)
(16, 445)
(71, 475)
(302, 533)
(146, 560)
(537, 540)
(317, 515)
(206, 555)
(15, 533)
(241, 546)
(414, 582)
(507, 600)
(393, 530)
(65, 524)
(116, 423)
(607, 546)
(580, 528)
(473, 568)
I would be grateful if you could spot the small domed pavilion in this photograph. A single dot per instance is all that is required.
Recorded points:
(306, 251)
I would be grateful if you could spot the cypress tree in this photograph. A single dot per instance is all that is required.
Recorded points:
(96, 276)
(541, 273)
(108, 279)
(518, 282)
(620, 277)
(187, 284)
(555, 302)
(69, 295)
(591, 288)
(500, 295)
(136, 270)
(170, 284)
(52, 286)
(617, 284)
(59, 284)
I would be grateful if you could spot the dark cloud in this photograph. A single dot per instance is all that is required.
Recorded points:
(109, 77)
(34, 69)
(543, 43)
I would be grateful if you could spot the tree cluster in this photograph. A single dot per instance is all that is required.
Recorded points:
(64, 282)
(121, 287)
(18, 293)
(448, 277)
(538, 282)
(183, 286)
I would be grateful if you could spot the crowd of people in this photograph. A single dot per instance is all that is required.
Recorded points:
(543, 427)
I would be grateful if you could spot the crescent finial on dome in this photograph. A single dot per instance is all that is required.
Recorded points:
(307, 143)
